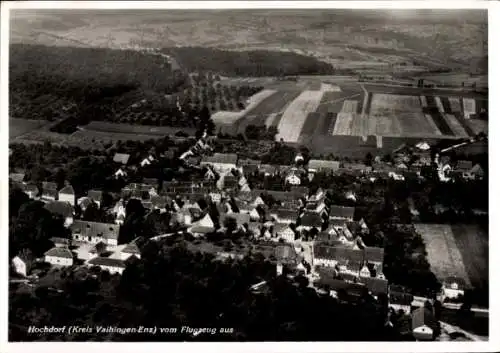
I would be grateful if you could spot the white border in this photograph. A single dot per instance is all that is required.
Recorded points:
(494, 33)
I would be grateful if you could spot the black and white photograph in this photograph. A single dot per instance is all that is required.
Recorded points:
(246, 174)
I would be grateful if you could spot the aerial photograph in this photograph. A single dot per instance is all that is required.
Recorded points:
(248, 175)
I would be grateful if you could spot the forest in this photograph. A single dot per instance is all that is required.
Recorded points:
(248, 63)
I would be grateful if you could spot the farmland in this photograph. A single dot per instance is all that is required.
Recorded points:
(457, 250)
(18, 127)
(443, 251)
(295, 115)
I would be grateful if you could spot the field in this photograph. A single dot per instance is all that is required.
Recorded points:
(18, 127)
(443, 253)
(473, 244)
(457, 250)
(153, 131)
(295, 115)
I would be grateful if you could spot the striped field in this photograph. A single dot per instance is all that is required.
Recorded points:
(295, 115)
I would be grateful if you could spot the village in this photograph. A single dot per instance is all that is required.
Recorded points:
(307, 233)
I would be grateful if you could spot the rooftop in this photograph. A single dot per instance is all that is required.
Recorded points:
(121, 158)
(60, 252)
(107, 261)
(226, 158)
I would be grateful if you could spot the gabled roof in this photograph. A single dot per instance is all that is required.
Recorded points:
(423, 316)
(107, 261)
(299, 191)
(241, 218)
(311, 219)
(121, 158)
(95, 195)
(59, 252)
(49, 193)
(476, 169)
(338, 253)
(268, 169)
(92, 229)
(30, 188)
(286, 213)
(460, 282)
(61, 208)
(285, 253)
(321, 164)
(226, 158)
(400, 298)
(341, 212)
(48, 185)
(68, 190)
(17, 177)
(357, 166)
(58, 240)
(374, 254)
(246, 162)
(280, 227)
(100, 246)
(463, 165)
(201, 229)
(131, 248)
(375, 285)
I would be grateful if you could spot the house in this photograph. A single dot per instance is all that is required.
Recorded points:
(147, 161)
(285, 254)
(424, 324)
(67, 194)
(375, 286)
(221, 162)
(319, 195)
(49, 195)
(453, 288)
(84, 202)
(22, 262)
(48, 185)
(475, 173)
(17, 177)
(121, 158)
(96, 196)
(374, 255)
(292, 178)
(60, 256)
(199, 231)
(64, 209)
(31, 190)
(131, 249)
(241, 218)
(95, 232)
(254, 228)
(299, 191)
(60, 242)
(106, 263)
(206, 221)
(248, 162)
(310, 220)
(283, 231)
(330, 256)
(97, 250)
(400, 301)
(320, 165)
(357, 167)
(120, 173)
(268, 169)
(119, 211)
(341, 213)
(317, 207)
(209, 175)
(284, 215)
(160, 203)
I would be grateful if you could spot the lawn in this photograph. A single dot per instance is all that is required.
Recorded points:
(443, 251)
(18, 127)
(472, 241)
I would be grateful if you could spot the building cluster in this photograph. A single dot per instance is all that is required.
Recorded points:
(322, 240)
